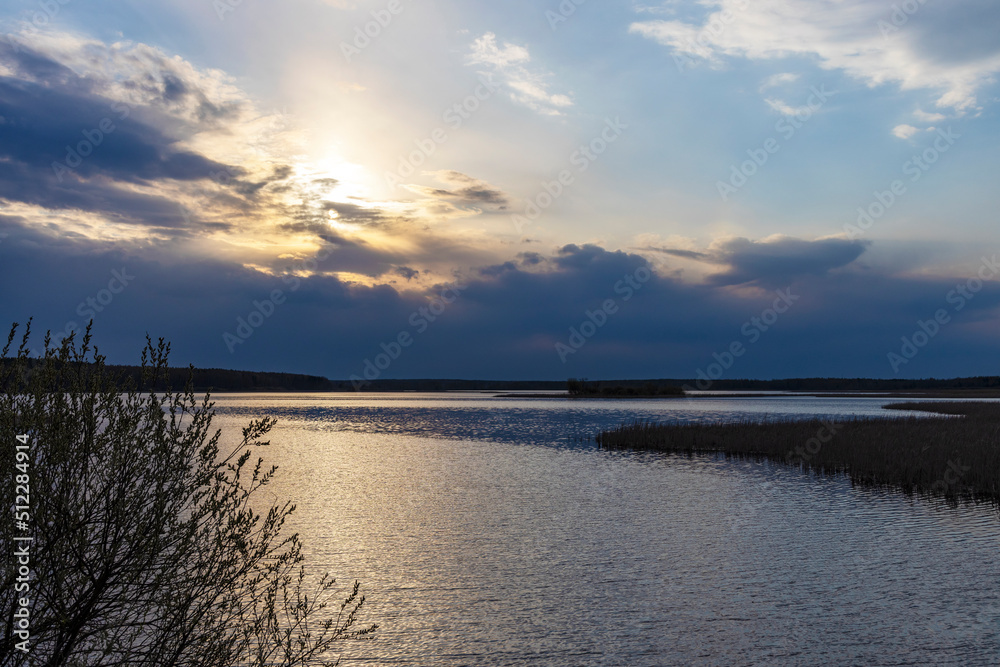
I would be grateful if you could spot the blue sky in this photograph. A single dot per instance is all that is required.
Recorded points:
(535, 153)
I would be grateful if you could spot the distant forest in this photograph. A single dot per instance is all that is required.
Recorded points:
(228, 380)
(224, 380)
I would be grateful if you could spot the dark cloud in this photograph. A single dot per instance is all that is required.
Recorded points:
(318, 229)
(406, 272)
(467, 191)
(771, 262)
(589, 256)
(345, 255)
(508, 318)
(482, 195)
(173, 88)
(88, 137)
(251, 189)
(65, 146)
(497, 269)
(347, 212)
(30, 64)
(531, 258)
(780, 261)
(676, 252)
(506, 322)
(19, 183)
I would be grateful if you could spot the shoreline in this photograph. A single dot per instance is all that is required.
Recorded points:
(957, 394)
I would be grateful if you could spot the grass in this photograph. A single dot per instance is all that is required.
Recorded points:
(955, 454)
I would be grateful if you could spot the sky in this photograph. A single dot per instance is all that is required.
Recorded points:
(516, 190)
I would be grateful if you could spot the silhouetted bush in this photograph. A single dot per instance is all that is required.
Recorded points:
(146, 548)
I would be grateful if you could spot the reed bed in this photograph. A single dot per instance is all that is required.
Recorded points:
(955, 455)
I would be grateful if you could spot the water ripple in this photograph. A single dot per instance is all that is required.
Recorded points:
(498, 548)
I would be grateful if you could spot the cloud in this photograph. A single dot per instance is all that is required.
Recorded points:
(925, 117)
(851, 35)
(465, 191)
(774, 261)
(683, 38)
(173, 154)
(528, 88)
(348, 212)
(904, 131)
(842, 323)
(205, 246)
(777, 80)
(137, 75)
(786, 109)
(406, 272)
(679, 252)
(668, 7)
(781, 259)
(486, 51)
(112, 131)
(47, 127)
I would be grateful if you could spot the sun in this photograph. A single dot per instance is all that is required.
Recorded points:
(341, 178)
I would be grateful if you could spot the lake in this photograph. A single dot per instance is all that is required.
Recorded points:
(493, 531)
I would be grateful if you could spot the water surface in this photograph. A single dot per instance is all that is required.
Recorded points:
(493, 532)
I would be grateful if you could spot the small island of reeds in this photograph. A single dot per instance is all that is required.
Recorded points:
(588, 389)
(955, 454)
